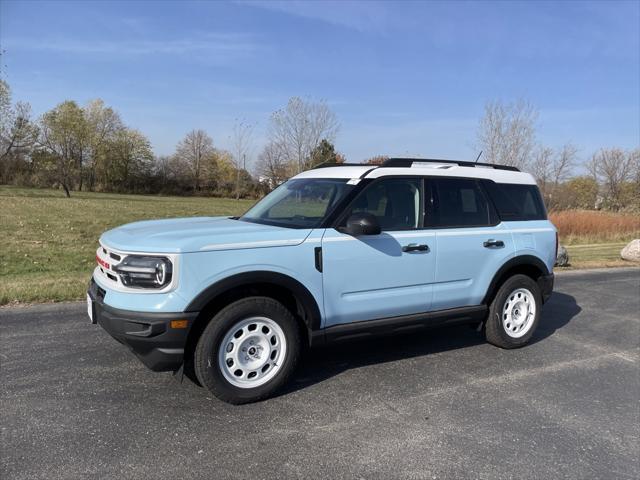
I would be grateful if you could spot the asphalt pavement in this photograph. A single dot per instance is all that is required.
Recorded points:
(76, 404)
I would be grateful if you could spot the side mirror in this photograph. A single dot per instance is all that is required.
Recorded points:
(362, 223)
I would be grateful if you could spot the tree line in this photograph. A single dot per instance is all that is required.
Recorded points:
(610, 178)
(90, 148)
(75, 148)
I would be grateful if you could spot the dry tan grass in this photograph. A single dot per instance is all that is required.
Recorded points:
(585, 226)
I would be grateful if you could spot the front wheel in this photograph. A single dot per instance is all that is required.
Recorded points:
(248, 350)
(514, 313)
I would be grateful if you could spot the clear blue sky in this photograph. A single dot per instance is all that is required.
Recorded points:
(403, 78)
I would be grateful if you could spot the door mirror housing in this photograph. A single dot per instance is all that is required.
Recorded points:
(362, 223)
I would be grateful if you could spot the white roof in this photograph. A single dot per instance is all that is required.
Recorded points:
(431, 169)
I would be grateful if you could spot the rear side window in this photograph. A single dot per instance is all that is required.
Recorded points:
(516, 202)
(458, 202)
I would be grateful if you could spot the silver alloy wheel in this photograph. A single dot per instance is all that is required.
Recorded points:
(518, 313)
(252, 352)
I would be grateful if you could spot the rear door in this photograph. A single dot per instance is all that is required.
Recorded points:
(386, 275)
(471, 242)
(521, 208)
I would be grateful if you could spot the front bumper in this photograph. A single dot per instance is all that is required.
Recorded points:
(147, 334)
(546, 286)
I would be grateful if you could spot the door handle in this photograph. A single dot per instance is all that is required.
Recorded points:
(493, 244)
(414, 247)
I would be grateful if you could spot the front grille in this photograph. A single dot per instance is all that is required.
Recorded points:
(106, 259)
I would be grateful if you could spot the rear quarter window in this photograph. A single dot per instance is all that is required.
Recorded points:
(458, 203)
(516, 202)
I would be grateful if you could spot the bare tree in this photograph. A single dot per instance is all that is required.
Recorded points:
(506, 133)
(551, 169)
(300, 127)
(192, 152)
(272, 165)
(635, 166)
(241, 140)
(612, 168)
(5, 103)
(592, 167)
(563, 163)
(162, 170)
(541, 166)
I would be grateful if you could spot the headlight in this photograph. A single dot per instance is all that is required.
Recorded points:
(144, 272)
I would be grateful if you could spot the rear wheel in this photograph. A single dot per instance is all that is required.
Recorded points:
(248, 350)
(514, 313)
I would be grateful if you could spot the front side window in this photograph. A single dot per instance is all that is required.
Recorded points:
(395, 202)
(299, 203)
(458, 202)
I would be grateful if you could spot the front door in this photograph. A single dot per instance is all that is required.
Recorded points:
(386, 275)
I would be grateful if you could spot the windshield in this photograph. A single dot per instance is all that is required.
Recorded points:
(301, 203)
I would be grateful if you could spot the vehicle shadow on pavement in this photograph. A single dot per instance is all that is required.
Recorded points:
(320, 364)
(557, 312)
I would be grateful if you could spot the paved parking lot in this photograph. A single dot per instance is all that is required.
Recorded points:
(76, 404)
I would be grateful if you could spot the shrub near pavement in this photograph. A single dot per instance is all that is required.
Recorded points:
(585, 226)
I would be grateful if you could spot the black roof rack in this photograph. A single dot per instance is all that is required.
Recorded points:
(334, 164)
(407, 162)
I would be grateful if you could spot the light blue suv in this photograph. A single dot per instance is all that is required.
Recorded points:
(336, 253)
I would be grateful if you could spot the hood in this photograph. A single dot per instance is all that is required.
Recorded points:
(182, 235)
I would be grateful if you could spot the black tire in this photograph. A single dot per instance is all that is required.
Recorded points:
(206, 364)
(495, 330)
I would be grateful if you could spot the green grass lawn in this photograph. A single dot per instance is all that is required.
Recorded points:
(596, 255)
(49, 241)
